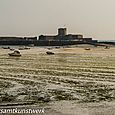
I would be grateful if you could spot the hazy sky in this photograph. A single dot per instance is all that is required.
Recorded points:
(92, 18)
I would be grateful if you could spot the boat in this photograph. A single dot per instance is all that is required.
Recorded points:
(57, 47)
(87, 49)
(107, 47)
(23, 48)
(6, 47)
(50, 53)
(12, 49)
(26, 48)
(15, 53)
(50, 48)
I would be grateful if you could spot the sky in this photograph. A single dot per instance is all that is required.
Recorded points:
(91, 18)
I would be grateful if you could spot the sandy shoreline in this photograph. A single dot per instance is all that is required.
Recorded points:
(74, 81)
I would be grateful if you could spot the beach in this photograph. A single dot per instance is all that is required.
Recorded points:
(73, 81)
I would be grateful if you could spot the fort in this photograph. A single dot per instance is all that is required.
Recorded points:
(62, 38)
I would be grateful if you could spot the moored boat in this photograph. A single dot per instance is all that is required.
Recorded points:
(50, 53)
(15, 53)
(87, 49)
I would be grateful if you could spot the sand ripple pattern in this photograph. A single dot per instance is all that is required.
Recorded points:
(70, 74)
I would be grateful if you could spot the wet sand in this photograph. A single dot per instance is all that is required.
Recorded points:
(74, 81)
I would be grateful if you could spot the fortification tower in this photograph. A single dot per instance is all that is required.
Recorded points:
(62, 31)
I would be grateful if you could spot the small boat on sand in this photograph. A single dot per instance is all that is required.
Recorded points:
(107, 47)
(12, 49)
(6, 47)
(23, 48)
(50, 48)
(50, 53)
(87, 49)
(16, 53)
